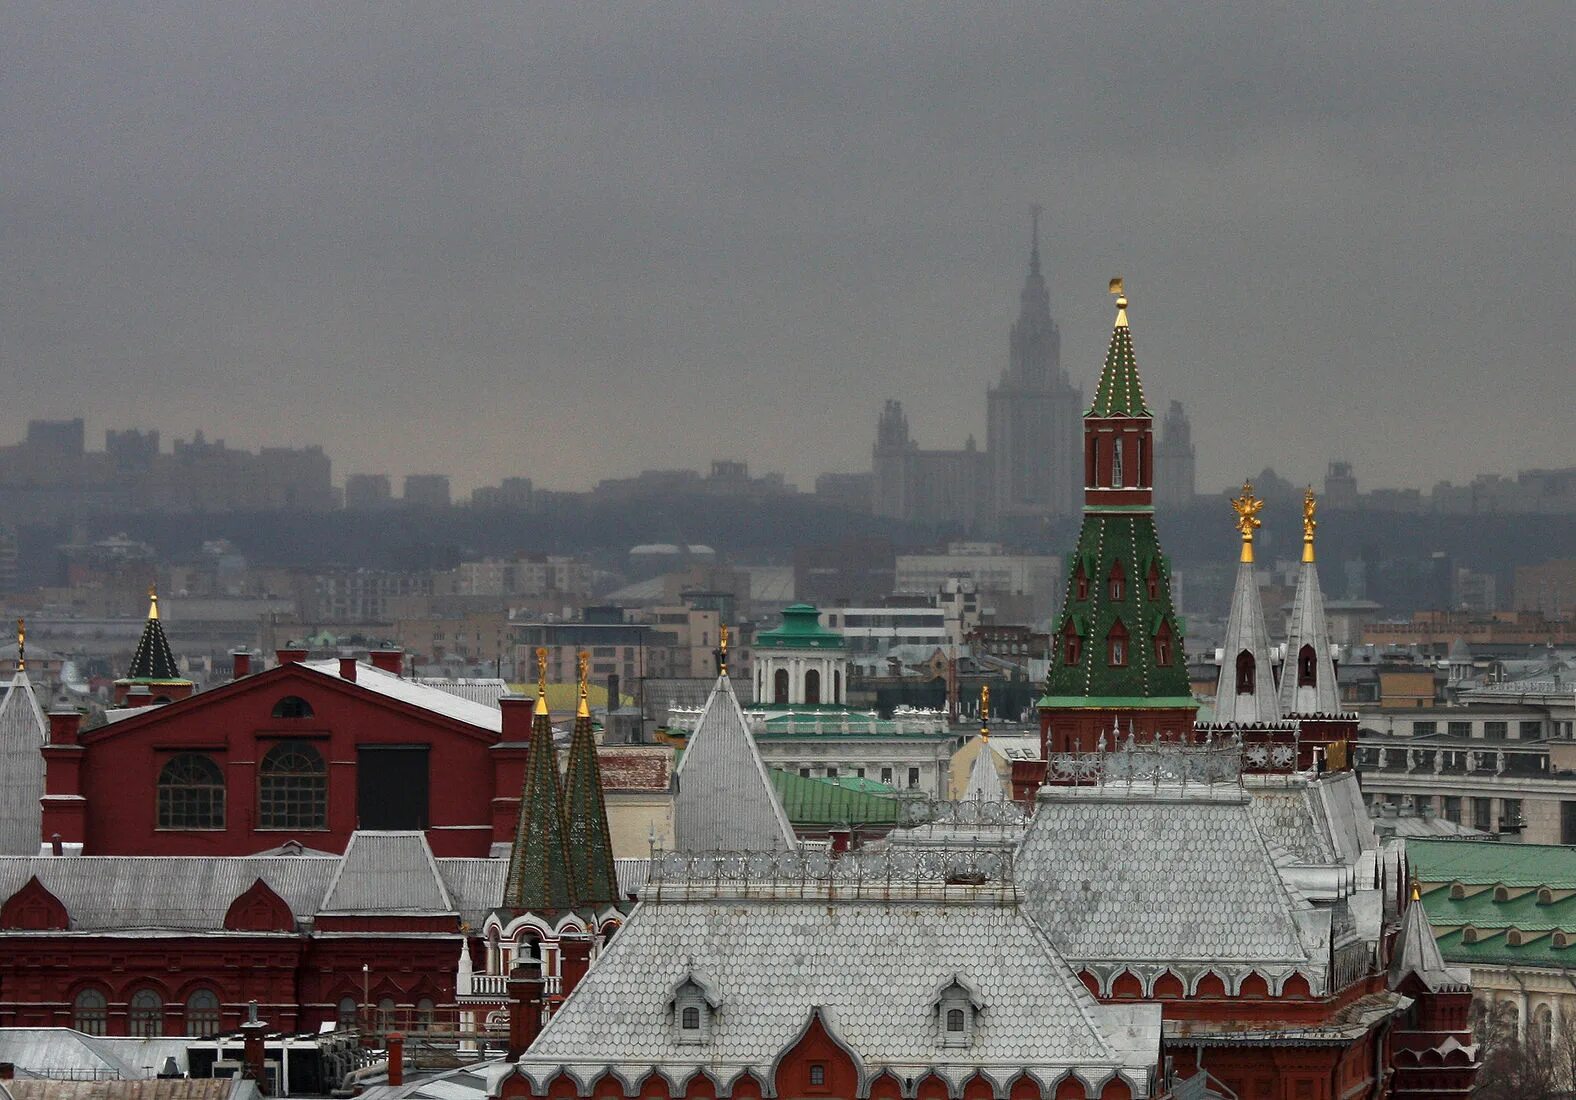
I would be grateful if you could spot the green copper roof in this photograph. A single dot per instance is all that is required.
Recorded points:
(1492, 862)
(825, 802)
(801, 629)
(1120, 392)
(539, 880)
(1106, 542)
(1477, 929)
(585, 822)
(829, 723)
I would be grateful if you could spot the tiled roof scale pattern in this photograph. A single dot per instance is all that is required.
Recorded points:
(725, 800)
(539, 880)
(23, 732)
(589, 841)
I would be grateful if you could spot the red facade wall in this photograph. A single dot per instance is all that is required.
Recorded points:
(233, 725)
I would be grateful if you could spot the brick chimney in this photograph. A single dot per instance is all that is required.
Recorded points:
(65, 810)
(64, 724)
(389, 659)
(240, 664)
(525, 1005)
(396, 1042)
(253, 1058)
(517, 713)
(575, 961)
(347, 668)
(290, 655)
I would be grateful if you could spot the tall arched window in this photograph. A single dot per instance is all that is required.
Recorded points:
(426, 1013)
(1092, 463)
(191, 793)
(1307, 667)
(1072, 646)
(1116, 645)
(292, 706)
(1246, 678)
(1163, 646)
(812, 687)
(145, 1014)
(780, 686)
(837, 685)
(1118, 582)
(349, 1012)
(1081, 583)
(292, 788)
(386, 1011)
(1116, 463)
(202, 1014)
(1152, 581)
(90, 1012)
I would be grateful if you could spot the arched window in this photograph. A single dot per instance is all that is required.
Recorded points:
(812, 687)
(837, 685)
(1163, 646)
(292, 706)
(191, 793)
(955, 1020)
(1118, 582)
(1116, 645)
(780, 686)
(1543, 1022)
(349, 1011)
(1246, 678)
(145, 1014)
(1152, 581)
(1092, 463)
(1081, 580)
(90, 1012)
(1072, 646)
(1116, 464)
(1307, 667)
(692, 1019)
(292, 788)
(426, 1013)
(386, 1014)
(202, 1014)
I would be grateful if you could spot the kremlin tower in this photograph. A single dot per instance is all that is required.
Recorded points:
(1117, 664)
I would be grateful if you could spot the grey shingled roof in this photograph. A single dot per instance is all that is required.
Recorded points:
(1245, 630)
(23, 731)
(1307, 627)
(1156, 874)
(387, 872)
(475, 886)
(1417, 954)
(873, 967)
(984, 783)
(725, 798)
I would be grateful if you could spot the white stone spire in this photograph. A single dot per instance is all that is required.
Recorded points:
(1307, 684)
(1246, 691)
(725, 799)
(23, 731)
(984, 780)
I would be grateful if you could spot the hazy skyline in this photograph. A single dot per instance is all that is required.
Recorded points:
(570, 242)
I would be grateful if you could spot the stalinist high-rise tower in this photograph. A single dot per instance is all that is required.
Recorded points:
(1035, 415)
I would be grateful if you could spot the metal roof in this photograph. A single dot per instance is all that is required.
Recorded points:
(724, 797)
(384, 872)
(23, 732)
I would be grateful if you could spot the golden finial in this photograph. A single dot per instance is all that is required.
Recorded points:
(1309, 506)
(1417, 891)
(21, 645)
(583, 667)
(722, 650)
(1121, 302)
(984, 712)
(1247, 507)
(541, 680)
(153, 601)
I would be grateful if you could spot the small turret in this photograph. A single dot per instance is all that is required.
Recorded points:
(153, 676)
(1245, 693)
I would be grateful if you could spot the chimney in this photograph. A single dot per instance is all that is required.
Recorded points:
(389, 659)
(64, 725)
(525, 1005)
(290, 655)
(57, 847)
(517, 711)
(575, 961)
(347, 668)
(252, 1054)
(396, 1041)
(240, 664)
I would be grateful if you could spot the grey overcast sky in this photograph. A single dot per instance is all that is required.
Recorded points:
(571, 241)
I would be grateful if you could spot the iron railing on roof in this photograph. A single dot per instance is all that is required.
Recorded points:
(1213, 763)
(982, 873)
(970, 813)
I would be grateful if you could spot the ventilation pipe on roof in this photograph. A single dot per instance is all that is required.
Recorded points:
(347, 668)
(290, 655)
(389, 659)
(240, 664)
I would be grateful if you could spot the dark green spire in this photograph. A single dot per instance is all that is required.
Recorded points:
(585, 815)
(1120, 392)
(539, 879)
(153, 659)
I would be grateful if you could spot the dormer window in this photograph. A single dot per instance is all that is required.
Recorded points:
(1116, 645)
(1081, 583)
(1152, 581)
(956, 1006)
(1118, 582)
(1163, 646)
(694, 1006)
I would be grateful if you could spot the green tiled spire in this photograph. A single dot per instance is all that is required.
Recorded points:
(153, 659)
(1120, 392)
(539, 879)
(585, 814)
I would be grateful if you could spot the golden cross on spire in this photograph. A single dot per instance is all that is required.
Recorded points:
(1309, 507)
(541, 680)
(985, 712)
(583, 667)
(21, 645)
(1247, 507)
(153, 600)
(722, 650)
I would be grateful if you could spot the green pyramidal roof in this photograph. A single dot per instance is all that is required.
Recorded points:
(585, 822)
(1120, 392)
(153, 659)
(539, 880)
(801, 629)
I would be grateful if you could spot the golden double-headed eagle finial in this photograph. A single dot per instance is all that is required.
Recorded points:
(583, 667)
(722, 649)
(21, 645)
(1309, 506)
(541, 680)
(1247, 506)
(985, 711)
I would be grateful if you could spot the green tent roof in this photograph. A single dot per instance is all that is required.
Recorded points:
(1120, 392)
(801, 629)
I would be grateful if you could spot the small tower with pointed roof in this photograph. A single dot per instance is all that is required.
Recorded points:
(1245, 694)
(1434, 1052)
(984, 783)
(1308, 683)
(23, 733)
(153, 676)
(585, 812)
(1117, 657)
(539, 880)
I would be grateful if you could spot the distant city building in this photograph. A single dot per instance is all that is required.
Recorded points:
(1175, 465)
(1017, 587)
(364, 491)
(427, 490)
(1548, 588)
(512, 492)
(851, 491)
